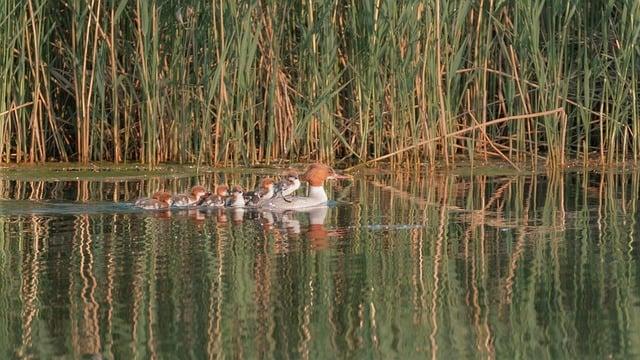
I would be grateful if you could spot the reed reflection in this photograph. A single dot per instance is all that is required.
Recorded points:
(438, 266)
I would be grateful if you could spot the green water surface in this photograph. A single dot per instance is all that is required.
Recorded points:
(400, 266)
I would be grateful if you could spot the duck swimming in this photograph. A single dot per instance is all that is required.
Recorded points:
(315, 175)
(218, 199)
(288, 185)
(198, 193)
(237, 198)
(263, 194)
(160, 200)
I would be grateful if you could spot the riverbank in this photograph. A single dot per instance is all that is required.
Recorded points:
(106, 170)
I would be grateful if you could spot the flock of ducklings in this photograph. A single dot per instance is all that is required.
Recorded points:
(223, 196)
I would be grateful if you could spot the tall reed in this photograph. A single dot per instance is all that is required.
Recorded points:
(243, 82)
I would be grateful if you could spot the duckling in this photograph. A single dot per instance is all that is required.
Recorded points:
(184, 200)
(160, 200)
(237, 198)
(288, 185)
(218, 199)
(263, 194)
(251, 197)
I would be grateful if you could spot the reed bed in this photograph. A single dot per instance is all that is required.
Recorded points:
(345, 82)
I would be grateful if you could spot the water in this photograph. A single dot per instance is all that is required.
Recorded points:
(399, 267)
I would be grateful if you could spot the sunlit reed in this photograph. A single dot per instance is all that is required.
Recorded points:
(246, 82)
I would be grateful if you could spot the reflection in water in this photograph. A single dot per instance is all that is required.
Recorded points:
(435, 266)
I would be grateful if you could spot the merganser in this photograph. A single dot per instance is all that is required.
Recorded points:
(160, 200)
(288, 185)
(315, 175)
(237, 198)
(197, 194)
(263, 194)
(251, 197)
(218, 199)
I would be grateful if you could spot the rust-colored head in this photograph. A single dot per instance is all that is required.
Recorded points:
(238, 189)
(222, 190)
(266, 184)
(198, 191)
(156, 195)
(164, 197)
(316, 174)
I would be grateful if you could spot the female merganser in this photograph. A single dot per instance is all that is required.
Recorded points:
(197, 194)
(218, 199)
(315, 175)
(288, 185)
(160, 200)
(263, 194)
(236, 200)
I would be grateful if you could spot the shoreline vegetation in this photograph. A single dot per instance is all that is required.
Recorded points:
(347, 83)
(108, 171)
